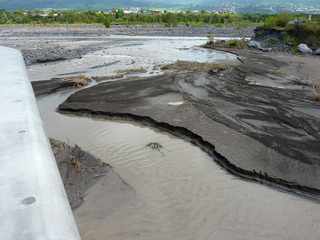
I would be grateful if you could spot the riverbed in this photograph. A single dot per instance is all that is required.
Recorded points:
(140, 56)
(177, 191)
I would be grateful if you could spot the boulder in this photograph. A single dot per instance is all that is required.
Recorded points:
(254, 44)
(257, 45)
(296, 22)
(304, 48)
(317, 52)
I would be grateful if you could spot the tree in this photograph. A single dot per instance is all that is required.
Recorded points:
(170, 19)
(107, 22)
(119, 13)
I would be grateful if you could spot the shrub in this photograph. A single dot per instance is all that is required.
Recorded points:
(170, 19)
(239, 44)
(79, 81)
(278, 21)
(234, 43)
(107, 22)
(308, 33)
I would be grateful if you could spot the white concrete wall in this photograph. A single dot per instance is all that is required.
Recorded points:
(33, 202)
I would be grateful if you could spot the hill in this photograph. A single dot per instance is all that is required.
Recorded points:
(238, 5)
(69, 4)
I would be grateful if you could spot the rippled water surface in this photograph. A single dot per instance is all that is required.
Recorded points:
(177, 193)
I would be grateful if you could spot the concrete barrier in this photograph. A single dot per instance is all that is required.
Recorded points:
(33, 202)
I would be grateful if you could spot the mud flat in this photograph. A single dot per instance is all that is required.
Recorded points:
(79, 170)
(197, 114)
(59, 84)
(175, 192)
(256, 118)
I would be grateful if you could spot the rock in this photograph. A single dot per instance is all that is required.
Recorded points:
(266, 49)
(303, 48)
(317, 52)
(254, 44)
(257, 45)
(271, 38)
(296, 22)
(49, 54)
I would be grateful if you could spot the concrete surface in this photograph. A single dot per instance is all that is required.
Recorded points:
(33, 205)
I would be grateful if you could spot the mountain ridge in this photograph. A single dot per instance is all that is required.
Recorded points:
(108, 4)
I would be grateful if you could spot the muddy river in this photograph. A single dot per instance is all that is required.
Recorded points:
(177, 192)
(120, 53)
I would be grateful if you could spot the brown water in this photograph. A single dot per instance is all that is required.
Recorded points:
(122, 52)
(176, 193)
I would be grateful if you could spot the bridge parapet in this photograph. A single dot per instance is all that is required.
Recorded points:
(33, 202)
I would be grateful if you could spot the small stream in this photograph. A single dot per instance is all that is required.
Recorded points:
(177, 193)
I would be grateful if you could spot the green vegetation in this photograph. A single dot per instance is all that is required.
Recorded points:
(212, 43)
(118, 16)
(278, 21)
(234, 44)
(107, 21)
(239, 44)
(295, 29)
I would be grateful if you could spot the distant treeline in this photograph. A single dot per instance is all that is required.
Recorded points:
(118, 16)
